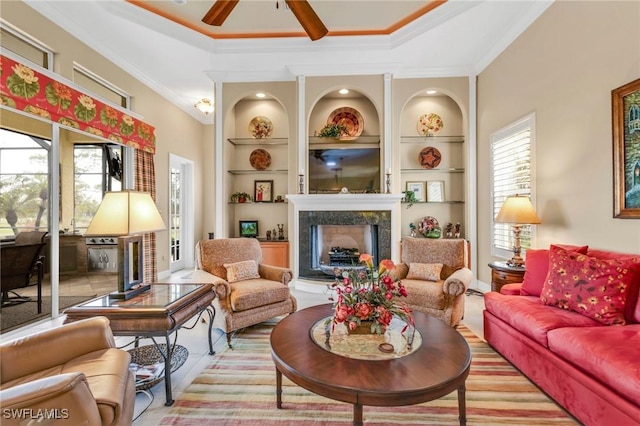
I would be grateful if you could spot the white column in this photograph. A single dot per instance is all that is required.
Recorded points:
(220, 206)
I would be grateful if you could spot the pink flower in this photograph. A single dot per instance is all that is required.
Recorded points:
(352, 325)
(384, 316)
(363, 310)
(342, 313)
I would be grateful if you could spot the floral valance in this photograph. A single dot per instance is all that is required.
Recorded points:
(26, 89)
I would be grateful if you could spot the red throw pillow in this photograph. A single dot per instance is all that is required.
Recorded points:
(537, 268)
(596, 288)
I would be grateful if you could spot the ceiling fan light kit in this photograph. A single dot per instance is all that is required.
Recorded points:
(301, 9)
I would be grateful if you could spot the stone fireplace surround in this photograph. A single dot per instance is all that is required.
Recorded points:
(341, 209)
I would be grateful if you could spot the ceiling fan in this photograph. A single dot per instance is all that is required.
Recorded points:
(302, 10)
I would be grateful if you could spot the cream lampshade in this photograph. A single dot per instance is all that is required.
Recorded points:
(519, 211)
(126, 215)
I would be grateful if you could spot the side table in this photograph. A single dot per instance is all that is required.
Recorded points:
(158, 312)
(502, 274)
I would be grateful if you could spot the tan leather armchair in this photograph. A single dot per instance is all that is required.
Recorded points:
(442, 297)
(72, 374)
(246, 300)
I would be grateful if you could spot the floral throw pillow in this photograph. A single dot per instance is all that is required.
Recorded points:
(424, 271)
(596, 288)
(537, 268)
(241, 271)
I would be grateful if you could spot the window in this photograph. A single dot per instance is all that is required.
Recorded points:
(26, 47)
(100, 86)
(24, 183)
(97, 169)
(511, 174)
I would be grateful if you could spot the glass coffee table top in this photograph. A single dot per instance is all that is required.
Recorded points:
(370, 347)
(158, 296)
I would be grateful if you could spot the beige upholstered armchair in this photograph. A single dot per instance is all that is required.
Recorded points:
(436, 275)
(247, 291)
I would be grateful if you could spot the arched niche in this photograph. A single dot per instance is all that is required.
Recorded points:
(349, 162)
(242, 175)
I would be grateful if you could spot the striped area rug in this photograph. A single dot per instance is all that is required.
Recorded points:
(238, 388)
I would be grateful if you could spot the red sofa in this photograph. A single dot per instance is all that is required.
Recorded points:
(589, 368)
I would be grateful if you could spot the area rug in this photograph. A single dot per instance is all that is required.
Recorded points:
(238, 388)
(12, 317)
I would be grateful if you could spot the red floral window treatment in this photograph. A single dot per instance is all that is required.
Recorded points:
(26, 89)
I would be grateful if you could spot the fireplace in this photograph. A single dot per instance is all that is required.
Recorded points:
(339, 246)
(369, 223)
(343, 235)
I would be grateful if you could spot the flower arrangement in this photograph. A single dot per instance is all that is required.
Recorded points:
(429, 227)
(369, 294)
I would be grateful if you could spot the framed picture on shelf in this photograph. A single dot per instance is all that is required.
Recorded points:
(418, 190)
(435, 191)
(625, 105)
(263, 191)
(249, 228)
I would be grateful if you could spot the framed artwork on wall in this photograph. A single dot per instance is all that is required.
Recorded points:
(625, 105)
(417, 188)
(435, 191)
(263, 191)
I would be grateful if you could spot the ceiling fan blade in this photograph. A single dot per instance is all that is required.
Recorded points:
(219, 12)
(308, 18)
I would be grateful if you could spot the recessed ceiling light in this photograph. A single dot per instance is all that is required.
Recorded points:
(260, 95)
(331, 163)
(431, 92)
(343, 91)
(180, 2)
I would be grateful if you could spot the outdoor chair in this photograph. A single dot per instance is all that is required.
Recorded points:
(19, 264)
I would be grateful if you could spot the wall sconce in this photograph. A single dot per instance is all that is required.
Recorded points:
(518, 211)
(205, 106)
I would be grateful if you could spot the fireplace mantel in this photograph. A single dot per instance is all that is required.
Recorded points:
(329, 202)
(341, 202)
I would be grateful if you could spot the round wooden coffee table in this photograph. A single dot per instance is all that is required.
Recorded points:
(438, 367)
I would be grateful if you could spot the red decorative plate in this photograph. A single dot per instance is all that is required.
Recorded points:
(260, 159)
(429, 157)
(349, 118)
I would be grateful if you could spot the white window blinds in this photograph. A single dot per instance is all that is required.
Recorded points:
(511, 174)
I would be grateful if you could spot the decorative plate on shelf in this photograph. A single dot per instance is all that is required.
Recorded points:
(428, 124)
(429, 157)
(260, 159)
(260, 127)
(350, 118)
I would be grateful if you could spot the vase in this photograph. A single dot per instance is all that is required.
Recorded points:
(363, 328)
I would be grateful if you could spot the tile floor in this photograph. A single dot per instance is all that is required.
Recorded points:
(195, 340)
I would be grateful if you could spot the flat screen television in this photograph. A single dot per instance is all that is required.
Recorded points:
(249, 228)
(357, 169)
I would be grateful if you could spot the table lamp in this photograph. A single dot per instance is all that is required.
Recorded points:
(127, 215)
(519, 211)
